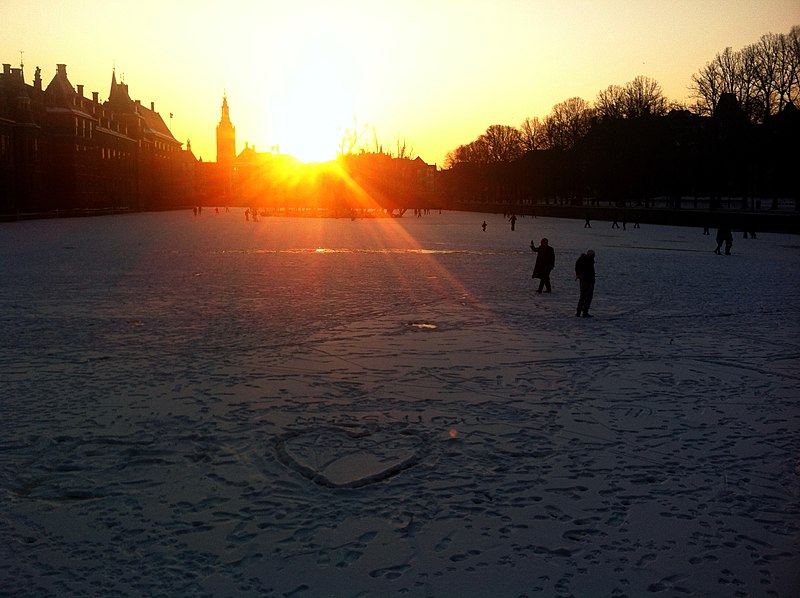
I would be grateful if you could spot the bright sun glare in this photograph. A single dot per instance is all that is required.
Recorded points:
(314, 105)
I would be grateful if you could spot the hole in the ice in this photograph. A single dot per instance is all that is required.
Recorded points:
(421, 325)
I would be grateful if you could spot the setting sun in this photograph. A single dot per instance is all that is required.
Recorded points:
(312, 96)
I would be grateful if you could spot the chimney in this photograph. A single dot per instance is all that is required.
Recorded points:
(6, 69)
(95, 95)
(61, 69)
(153, 106)
(80, 90)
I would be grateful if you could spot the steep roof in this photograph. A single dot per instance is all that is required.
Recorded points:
(118, 97)
(119, 100)
(155, 123)
(60, 88)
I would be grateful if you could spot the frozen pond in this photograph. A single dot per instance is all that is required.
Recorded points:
(313, 407)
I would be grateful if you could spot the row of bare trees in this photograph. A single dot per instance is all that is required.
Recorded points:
(354, 141)
(763, 77)
(567, 124)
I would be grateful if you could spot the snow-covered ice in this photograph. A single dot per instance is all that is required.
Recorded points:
(322, 407)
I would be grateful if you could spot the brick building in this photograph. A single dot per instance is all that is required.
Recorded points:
(61, 150)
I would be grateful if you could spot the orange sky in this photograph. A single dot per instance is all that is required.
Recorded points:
(434, 74)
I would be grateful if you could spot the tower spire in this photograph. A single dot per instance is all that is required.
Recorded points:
(226, 136)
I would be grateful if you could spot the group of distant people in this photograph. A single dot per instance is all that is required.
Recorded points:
(614, 223)
(546, 261)
(198, 210)
(584, 266)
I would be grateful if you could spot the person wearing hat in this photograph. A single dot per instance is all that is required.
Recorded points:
(545, 262)
(584, 273)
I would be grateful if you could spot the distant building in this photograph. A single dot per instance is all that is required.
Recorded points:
(226, 137)
(61, 150)
(273, 181)
(216, 178)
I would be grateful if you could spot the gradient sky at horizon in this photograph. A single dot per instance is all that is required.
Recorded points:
(433, 74)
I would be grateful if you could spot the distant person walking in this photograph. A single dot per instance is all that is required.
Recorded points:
(584, 273)
(483, 226)
(586, 223)
(545, 262)
(513, 221)
(725, 236)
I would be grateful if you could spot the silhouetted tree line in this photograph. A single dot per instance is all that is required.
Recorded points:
(738, 139)
(763, 77)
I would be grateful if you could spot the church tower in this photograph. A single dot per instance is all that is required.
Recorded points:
(226, 137)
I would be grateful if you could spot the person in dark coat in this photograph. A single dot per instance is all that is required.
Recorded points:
(584, 273)
(725, 236)
(545, 262)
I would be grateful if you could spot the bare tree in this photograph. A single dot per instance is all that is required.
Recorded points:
(747, 89)
(721, 75)
(643, 97)
(503, 143)
(377, 146)
(706, 88)
(728, 63)
(351, 138)
(786, 68)
(500, 143)
(766, 54)
(610, 103)
(568, 123)
(793, 41)
(763, 76)
(532, 132)
(404, 150)
(475, 152)
(450, 159)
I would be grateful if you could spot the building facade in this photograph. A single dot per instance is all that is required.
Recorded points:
(63, 151)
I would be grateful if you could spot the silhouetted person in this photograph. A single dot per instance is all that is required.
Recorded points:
(513, 221)
(483, 226)
(725, 236)
(584, 272)
(545, 262)
(615, 223)
(587, 224)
